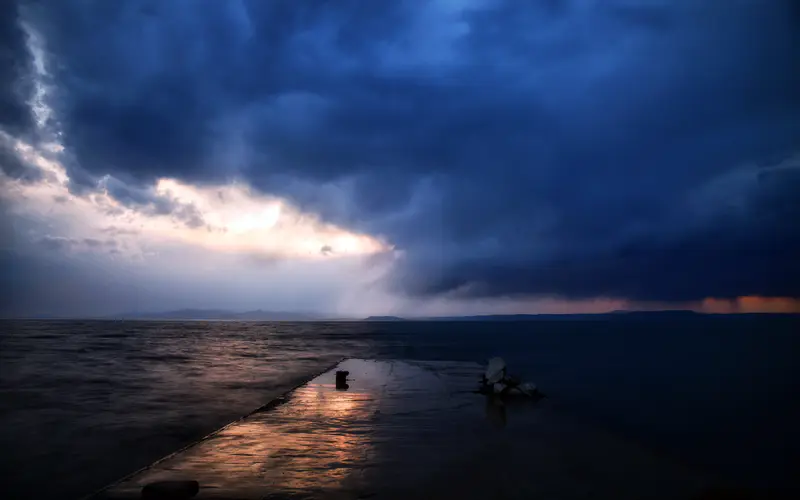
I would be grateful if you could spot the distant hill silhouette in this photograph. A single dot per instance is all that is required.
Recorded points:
(575, 317)
(384, 318)
(217, 314)
(675, 313)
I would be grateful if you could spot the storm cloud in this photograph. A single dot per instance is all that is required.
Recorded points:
(636, 149)
(15, 83)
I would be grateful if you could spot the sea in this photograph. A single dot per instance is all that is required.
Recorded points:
(83, 403)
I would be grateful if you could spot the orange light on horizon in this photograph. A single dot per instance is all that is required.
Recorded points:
(751, 304)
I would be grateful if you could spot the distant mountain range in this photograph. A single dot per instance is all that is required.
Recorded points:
(614, 315)
(216, 314)
(384, 318)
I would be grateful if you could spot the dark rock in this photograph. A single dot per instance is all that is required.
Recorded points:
(170, 490)
(495, 371)
(497, 382)
(341, 380)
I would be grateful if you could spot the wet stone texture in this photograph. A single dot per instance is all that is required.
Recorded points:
(412, 430)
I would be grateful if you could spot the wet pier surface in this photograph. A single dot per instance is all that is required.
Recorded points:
(412, 430)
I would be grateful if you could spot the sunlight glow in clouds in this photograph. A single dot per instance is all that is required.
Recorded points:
(238, 219)
(234, 218)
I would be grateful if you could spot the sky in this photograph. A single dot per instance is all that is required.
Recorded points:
(426, 157)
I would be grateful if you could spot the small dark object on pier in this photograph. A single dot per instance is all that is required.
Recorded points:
(170, 490)
(341, 380)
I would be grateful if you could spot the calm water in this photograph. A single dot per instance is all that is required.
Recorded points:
(85, 402)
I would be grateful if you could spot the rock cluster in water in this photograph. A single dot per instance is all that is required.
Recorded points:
(496, 380)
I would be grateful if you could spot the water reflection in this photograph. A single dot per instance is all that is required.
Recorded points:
(502, 412)
(496, 412)
(320, 439)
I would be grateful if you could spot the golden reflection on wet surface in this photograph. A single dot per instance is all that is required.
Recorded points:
(318, 439)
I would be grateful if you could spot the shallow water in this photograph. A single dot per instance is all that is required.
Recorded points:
(85, 402)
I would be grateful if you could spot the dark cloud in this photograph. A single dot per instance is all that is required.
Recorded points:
(14, 166)
(92, 242)
(263, 260)
(57, 243)
(557, 147)
(60, 244)
(7, 229)
(114, 231)
(33, 285)
(95, 243)
(15, 64)
(190, 216)
(147, 201)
